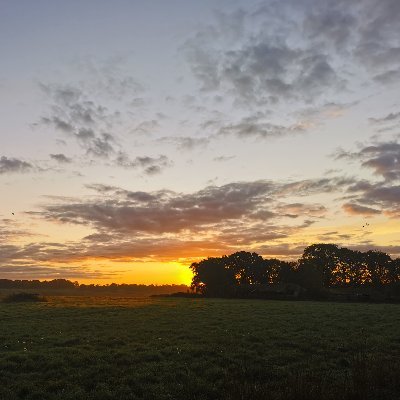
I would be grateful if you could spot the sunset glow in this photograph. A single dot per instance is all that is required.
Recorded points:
(148, 135)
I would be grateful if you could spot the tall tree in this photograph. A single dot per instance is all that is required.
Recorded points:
(324, 258)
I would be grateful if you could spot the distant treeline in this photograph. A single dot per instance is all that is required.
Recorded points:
(67, 286)
(322, 266)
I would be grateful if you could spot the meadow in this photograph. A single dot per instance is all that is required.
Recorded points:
(178, 348)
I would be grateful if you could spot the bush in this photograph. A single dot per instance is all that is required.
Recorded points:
(24, 297)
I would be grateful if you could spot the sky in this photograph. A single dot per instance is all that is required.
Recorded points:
(138, 137)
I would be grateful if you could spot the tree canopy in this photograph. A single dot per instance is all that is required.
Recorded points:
(321, 266)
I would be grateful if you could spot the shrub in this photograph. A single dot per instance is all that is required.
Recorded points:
(24, 297)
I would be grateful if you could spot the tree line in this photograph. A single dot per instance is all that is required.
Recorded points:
(74, 287)
(320, 266)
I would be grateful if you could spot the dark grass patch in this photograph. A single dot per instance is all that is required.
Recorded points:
(24, 297)
(183, 349)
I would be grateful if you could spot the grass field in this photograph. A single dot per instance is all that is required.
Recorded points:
(164, 348)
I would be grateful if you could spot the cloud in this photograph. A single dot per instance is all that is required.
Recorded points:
(27, 267)
(163, 212)
(388, 118)
(379, 196)
(171, 212)
(223, 158)
(265, 72)
(150, 165)
(101, 146)
(85, 135)
(10, 230)
(186, 142)
(309, 187)
(383, 158)
(72, 107)
(293, 55)
(76, 112)
(393, 251)
(77, 116)
(58, 123)
(146, 127)
(357, 209)
(256, 126)
(165, 225)
(61, 158)
(388, 77)
(14, 165)
(267, 62)
(295, 210)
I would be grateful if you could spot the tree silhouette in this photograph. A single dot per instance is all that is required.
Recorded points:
(213, 277)
(321, 266)
(324, 258)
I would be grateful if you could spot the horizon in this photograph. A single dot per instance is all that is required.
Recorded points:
(190, 272)
(137, 138)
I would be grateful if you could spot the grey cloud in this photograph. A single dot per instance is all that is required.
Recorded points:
(138, 196)
(10, 229)
(388, 118)
(383, 194)
(258, 127)
(357, 209)
(378, 196)
(260, 71)
(61, 94)
(301, 51)
(233, 236)
(186, 142)
(294, 210)
(61, 158)
(100, 188)
(14, 165)
(68, 260)
(383, 158)
(161, 225)
(262, 67)
(388, 77)
(283, 250)
(75, 115)
(85, 134)
(394, 251)
(153, 170)
(189, 143)
(171, 212)
(334, 237)
(101, 146)
(333, 25)
(146, 127)
(143, 197)
(150, 165)
(223, 158)
(71, 107)
(24, 263)
(308, 187)
(387, 165)
(148, 161)
(58, 123)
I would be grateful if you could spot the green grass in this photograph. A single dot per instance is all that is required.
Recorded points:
(105, 348)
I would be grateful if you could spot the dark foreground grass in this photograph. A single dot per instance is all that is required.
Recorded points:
(72, 348)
